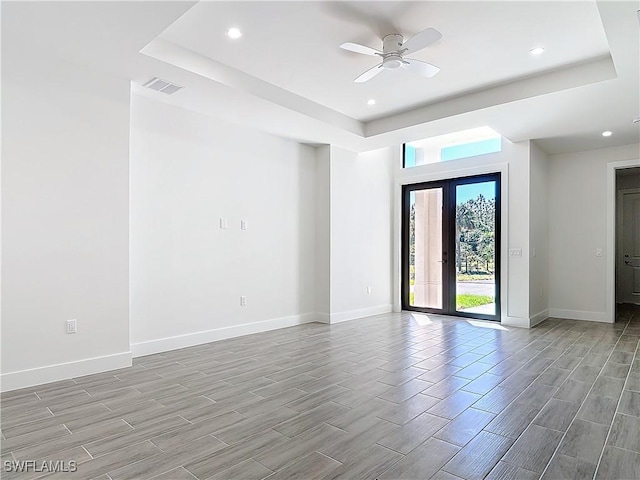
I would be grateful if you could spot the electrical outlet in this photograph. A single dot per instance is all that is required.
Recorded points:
(243, 301)
(72, 326)
(598, 252)
(243, 224)
(369, 290)
(223, 223)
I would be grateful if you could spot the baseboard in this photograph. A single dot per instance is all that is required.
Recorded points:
(323, 317)
(360, 313)
(53, 373)
(519, 322)
(579, 315)
(197, 338)
(538, 317)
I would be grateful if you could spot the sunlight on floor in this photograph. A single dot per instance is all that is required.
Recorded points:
(492, 325)
(421, 319)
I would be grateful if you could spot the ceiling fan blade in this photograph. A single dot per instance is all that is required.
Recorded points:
(421, 68)
(422, 40)
(356, 47)
(369, 74)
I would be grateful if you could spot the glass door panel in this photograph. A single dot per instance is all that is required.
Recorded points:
(450, 247)
(425, 248)
(475, 248)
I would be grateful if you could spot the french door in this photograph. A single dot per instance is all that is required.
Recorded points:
(451, 247)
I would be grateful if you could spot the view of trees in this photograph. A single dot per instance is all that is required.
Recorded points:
(475, 224)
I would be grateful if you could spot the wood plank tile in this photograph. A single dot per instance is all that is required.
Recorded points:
(213, 463)
(625, 433)
(247, 470)
(112, 461)
(413, 433)
(454, 405)
(74, 440)
(598, 409)
(465, 427)
(370, 463)
(533, 450)
(513, 420)
(557, 415)
(131, 437)
(618, 463)
(423, 462)
(584, 440)
(504, 471)
(165, 461)
(176, 474)
(312, 466)
(479, 456)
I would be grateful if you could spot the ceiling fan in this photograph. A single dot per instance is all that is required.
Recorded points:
(393, 51)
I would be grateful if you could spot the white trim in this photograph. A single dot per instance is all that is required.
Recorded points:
(538, 317)
(579, 315)
(360, 313)
(323, 317)
(611, 235)
(62, 371)
(197, 338)
(520, 322)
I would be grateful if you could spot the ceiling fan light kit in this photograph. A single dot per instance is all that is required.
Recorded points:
(392, 54)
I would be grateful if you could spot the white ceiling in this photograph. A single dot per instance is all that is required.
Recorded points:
(294, 45)
(287, 76)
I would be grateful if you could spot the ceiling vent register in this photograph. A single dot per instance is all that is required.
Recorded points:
(163, 86)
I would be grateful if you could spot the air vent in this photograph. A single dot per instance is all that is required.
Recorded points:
(162, 86)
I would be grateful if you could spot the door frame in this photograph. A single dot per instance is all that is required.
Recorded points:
(610, 260)
(449, 279)
(444, 171)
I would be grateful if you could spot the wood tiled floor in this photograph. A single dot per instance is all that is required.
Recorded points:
(389, 397)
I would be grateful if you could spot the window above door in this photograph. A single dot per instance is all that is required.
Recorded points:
(452, 146)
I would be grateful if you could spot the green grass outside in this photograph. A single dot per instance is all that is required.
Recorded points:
(468, 300)
(465, 300)
(472, 277)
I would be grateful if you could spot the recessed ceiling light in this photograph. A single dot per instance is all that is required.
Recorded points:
(234, 33)
(536, 51)
(607, 133)
(371, 101)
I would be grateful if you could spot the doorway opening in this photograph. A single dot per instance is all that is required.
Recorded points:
(451, 246)
(627, 246)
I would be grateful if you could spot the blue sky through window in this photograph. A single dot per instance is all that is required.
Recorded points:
(409, 156)
(471, 149)
(472, 190)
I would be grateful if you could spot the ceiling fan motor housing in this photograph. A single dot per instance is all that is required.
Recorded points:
(391, 47)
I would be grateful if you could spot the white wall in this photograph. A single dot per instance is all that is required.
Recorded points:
(65, 154)
(577, 227)
(361, 233)
(513, 163)
(538, 235)
(323, 234)
(187, 274)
